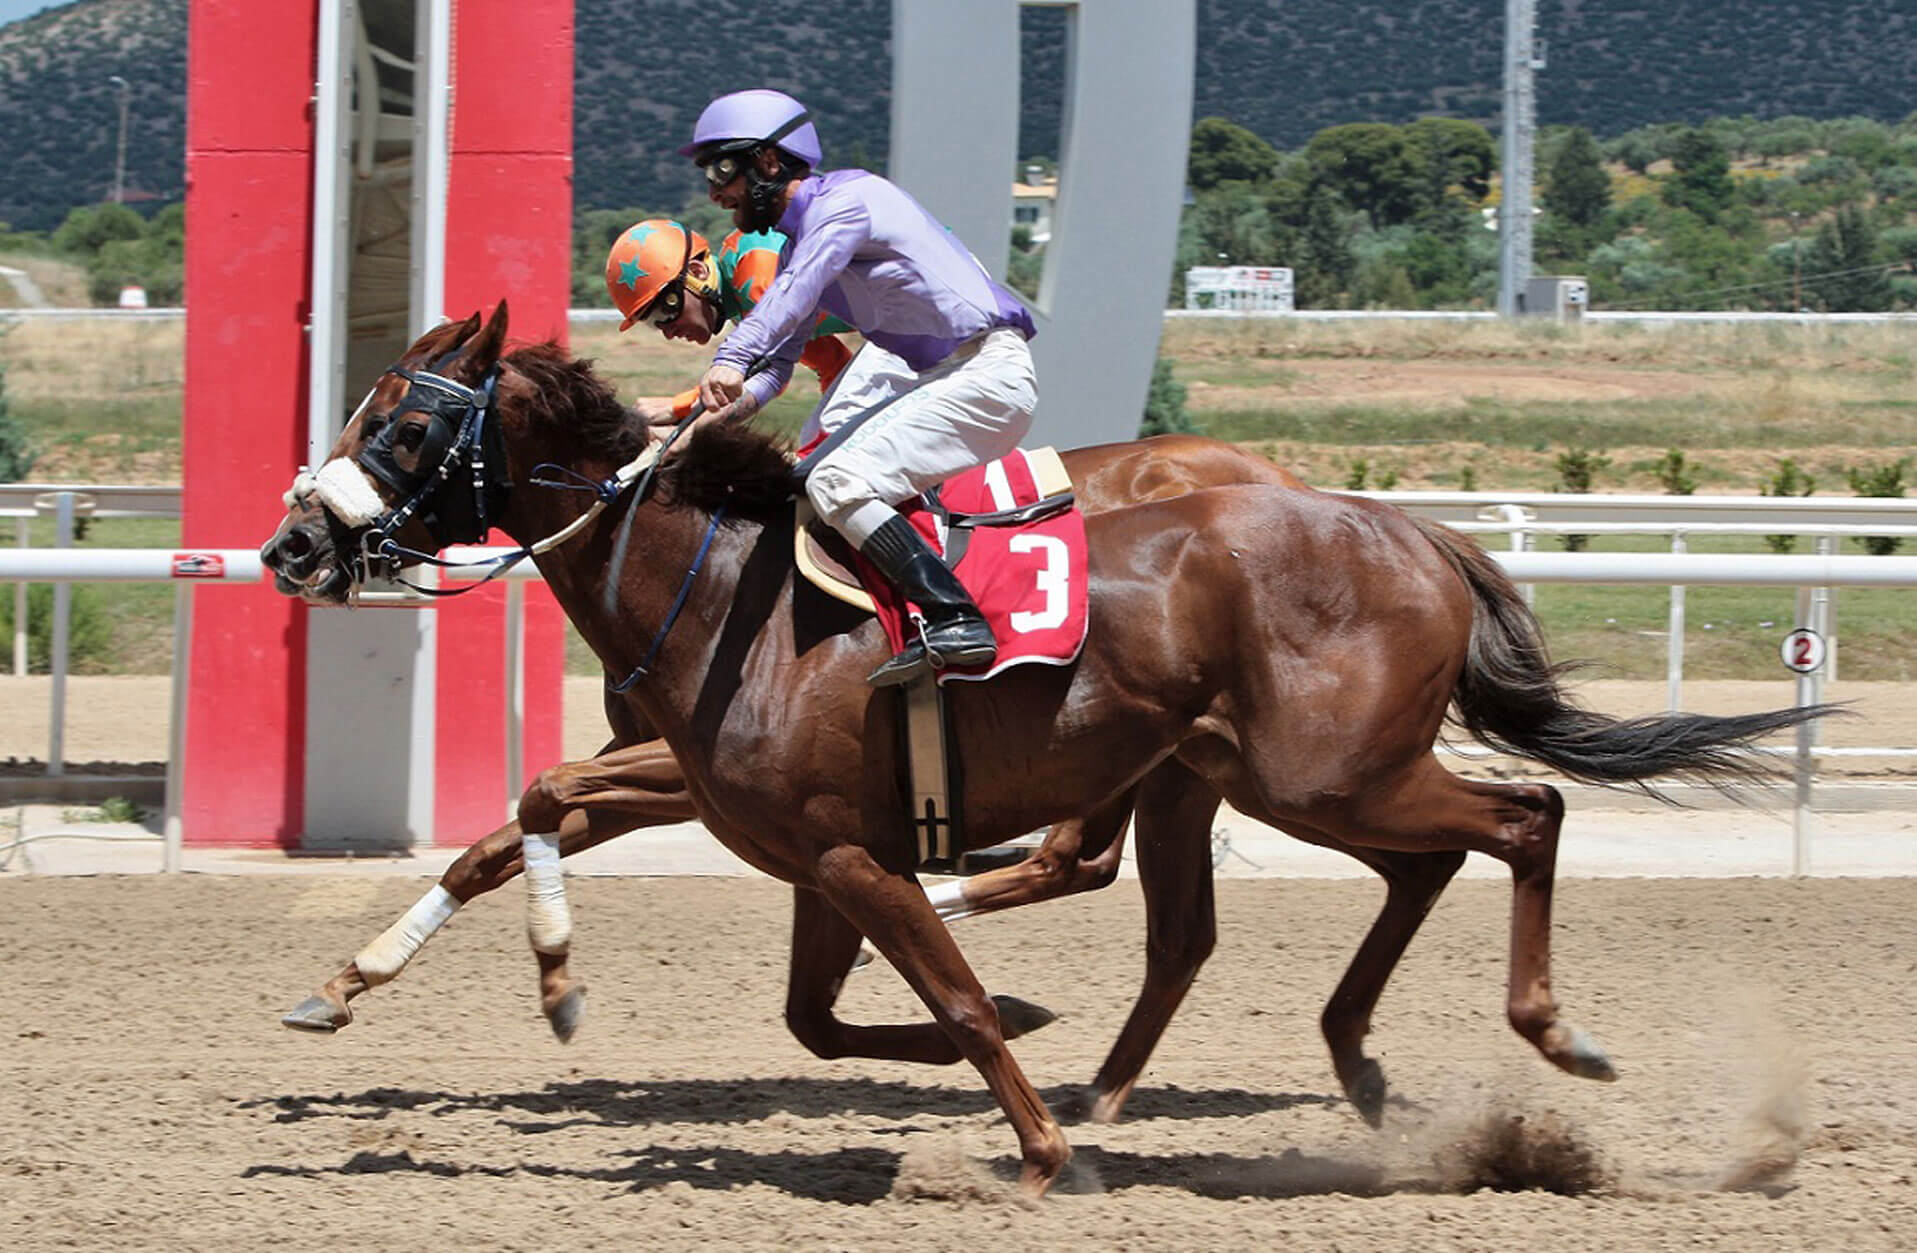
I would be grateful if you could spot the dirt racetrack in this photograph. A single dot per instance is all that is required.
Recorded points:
(148, 1098)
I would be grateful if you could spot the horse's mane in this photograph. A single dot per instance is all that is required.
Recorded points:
(724, 463)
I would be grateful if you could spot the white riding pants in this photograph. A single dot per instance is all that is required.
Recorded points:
(973, 406)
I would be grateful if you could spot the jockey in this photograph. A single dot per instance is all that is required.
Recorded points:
(656, 263)
(944, 382)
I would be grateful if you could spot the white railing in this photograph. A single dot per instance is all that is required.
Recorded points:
(186, 570)
(1520, 515)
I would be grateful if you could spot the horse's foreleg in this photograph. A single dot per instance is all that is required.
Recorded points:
(482, 867)
(1175, 809)
(575, 806)
(1413, 883)
(892, 910)
(822, 944)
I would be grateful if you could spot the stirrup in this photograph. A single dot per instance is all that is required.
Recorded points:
(911, 662)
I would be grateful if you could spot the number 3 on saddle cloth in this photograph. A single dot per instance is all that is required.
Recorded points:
(1010, 531)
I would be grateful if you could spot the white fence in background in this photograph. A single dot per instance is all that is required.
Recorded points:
(1648, 316)
(1521, 516)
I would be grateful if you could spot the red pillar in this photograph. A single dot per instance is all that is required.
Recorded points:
(508, 234)
(249, 170)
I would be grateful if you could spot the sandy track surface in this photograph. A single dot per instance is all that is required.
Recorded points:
(150, 1100)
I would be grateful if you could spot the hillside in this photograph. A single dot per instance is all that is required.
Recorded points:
(1284, 71)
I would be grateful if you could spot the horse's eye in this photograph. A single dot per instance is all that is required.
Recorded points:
(411, 436)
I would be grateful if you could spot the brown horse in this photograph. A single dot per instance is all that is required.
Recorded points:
(1292, 652)
(634, 782)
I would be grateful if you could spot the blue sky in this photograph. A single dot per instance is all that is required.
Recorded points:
(14, 10)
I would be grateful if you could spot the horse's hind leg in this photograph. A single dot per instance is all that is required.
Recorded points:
(822, 944)
(1413, 883)
(1175, 809)
(1077, 856)
(1081, 855)
(1431, 810)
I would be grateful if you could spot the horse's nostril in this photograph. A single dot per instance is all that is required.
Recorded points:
(293, 554)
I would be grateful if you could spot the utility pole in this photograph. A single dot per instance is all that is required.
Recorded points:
(1523, 57)
(119, 160)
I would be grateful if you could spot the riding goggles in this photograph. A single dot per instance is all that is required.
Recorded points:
(666, 306)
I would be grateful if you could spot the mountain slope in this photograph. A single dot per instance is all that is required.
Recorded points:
(645, 67)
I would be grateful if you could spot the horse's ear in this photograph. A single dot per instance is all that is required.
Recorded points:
(484, 350)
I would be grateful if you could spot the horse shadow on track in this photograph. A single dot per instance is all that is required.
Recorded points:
(853, 1176)
(624, 1103)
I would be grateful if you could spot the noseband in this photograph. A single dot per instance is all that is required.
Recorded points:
(461, 430)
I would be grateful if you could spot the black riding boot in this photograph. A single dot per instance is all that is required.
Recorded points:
(954, 632)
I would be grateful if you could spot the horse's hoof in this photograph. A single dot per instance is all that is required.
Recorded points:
(1587, 1058)
(566, 1015)
(1366, 1092)
(1017, 1018)
(317, 1014)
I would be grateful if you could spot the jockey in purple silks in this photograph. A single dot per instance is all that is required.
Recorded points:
(944, 382)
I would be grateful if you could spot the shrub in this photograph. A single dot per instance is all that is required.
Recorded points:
(89, 633)
(1577, 470)
(1674, 472)
(1879, 480)
(1788, 481)
(1165, 412)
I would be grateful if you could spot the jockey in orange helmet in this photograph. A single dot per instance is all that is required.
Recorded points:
(655, 268)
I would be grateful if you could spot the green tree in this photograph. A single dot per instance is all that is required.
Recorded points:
(1844, 267)
(16, 453)
(1577, 187)
(1165, 412)
(89, 228)
(1374, 168)
(1326, 262)
(1223, 152)
(1702, 178)
(1459, 153)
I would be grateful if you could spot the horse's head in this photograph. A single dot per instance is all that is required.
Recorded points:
(420, 465)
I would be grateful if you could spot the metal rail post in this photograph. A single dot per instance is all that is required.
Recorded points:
(62, 619)
(172, 834)
(515, 694)
(1674, 641)
(21, 526)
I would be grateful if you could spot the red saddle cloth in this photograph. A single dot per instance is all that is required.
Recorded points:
(1030, 581)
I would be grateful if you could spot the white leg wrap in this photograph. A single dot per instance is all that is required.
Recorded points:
(388, 955)
(548, 918)
(949, 900)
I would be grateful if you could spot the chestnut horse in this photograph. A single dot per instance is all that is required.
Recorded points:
(634, 782)
(1292, 652)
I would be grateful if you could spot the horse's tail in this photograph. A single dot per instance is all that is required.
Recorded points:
(1509, 698)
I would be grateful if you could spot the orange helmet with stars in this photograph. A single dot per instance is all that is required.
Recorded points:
(647, 268)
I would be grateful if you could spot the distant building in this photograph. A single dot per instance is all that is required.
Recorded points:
(1032, 207)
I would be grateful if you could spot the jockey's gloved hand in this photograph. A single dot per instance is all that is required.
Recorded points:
(720, 387)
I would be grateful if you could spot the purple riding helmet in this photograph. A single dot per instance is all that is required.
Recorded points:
(747, 119)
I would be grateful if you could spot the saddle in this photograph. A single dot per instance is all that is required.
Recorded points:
(828, 563)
